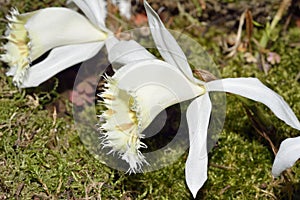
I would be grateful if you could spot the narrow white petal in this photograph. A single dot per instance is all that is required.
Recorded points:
(288, 154)
(95, 10)
(60, 58)
(157, 85)
(54, 27)
(198, 115)
(166, 43)
(125, 52)
(253, 89)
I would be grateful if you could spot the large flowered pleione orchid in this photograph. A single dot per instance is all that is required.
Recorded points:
(71, 37)
(142, 88)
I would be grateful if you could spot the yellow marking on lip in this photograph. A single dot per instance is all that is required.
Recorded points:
(110, 112)
(23, 54)
(24, 48)
(21, 43)
(124, 127)
(13, 36)
(133, 117)
(108, 96)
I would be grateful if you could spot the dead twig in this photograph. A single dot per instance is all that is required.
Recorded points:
(232, 50)
(249, 28)
(44, 187)
(59, 186)
(221, 166)
(224, 189)
(269, 194)
(19, 190)
(258, 127)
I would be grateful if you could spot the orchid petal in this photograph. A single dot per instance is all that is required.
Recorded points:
(156, 77)
(111, 42)
(288, 154)
(70, 28)
(95, 10)
(59, 59)
(166, 43)
(253, 89)
(125, 52)
(198, 115)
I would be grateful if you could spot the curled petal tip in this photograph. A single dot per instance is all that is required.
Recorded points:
(287, 155)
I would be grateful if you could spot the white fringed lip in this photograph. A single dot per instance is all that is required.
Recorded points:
(121, 127)
(133, 97)
(17, 49)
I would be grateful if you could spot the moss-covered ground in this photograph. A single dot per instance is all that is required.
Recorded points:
(42, 156)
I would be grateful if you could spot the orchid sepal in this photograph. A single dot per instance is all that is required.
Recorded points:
(252, 88)
(198, 117)
(59, 59)
(166, 43)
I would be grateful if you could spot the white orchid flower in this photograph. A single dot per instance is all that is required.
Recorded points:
(71, 37)
(144, 87)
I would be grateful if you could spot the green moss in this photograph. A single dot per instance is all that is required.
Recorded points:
(239, 167)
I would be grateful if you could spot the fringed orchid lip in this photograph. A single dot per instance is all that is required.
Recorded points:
(32, 34)
(17, 49)
(121, 130)
(133, 97)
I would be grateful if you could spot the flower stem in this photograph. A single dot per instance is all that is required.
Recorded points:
(269, 29)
